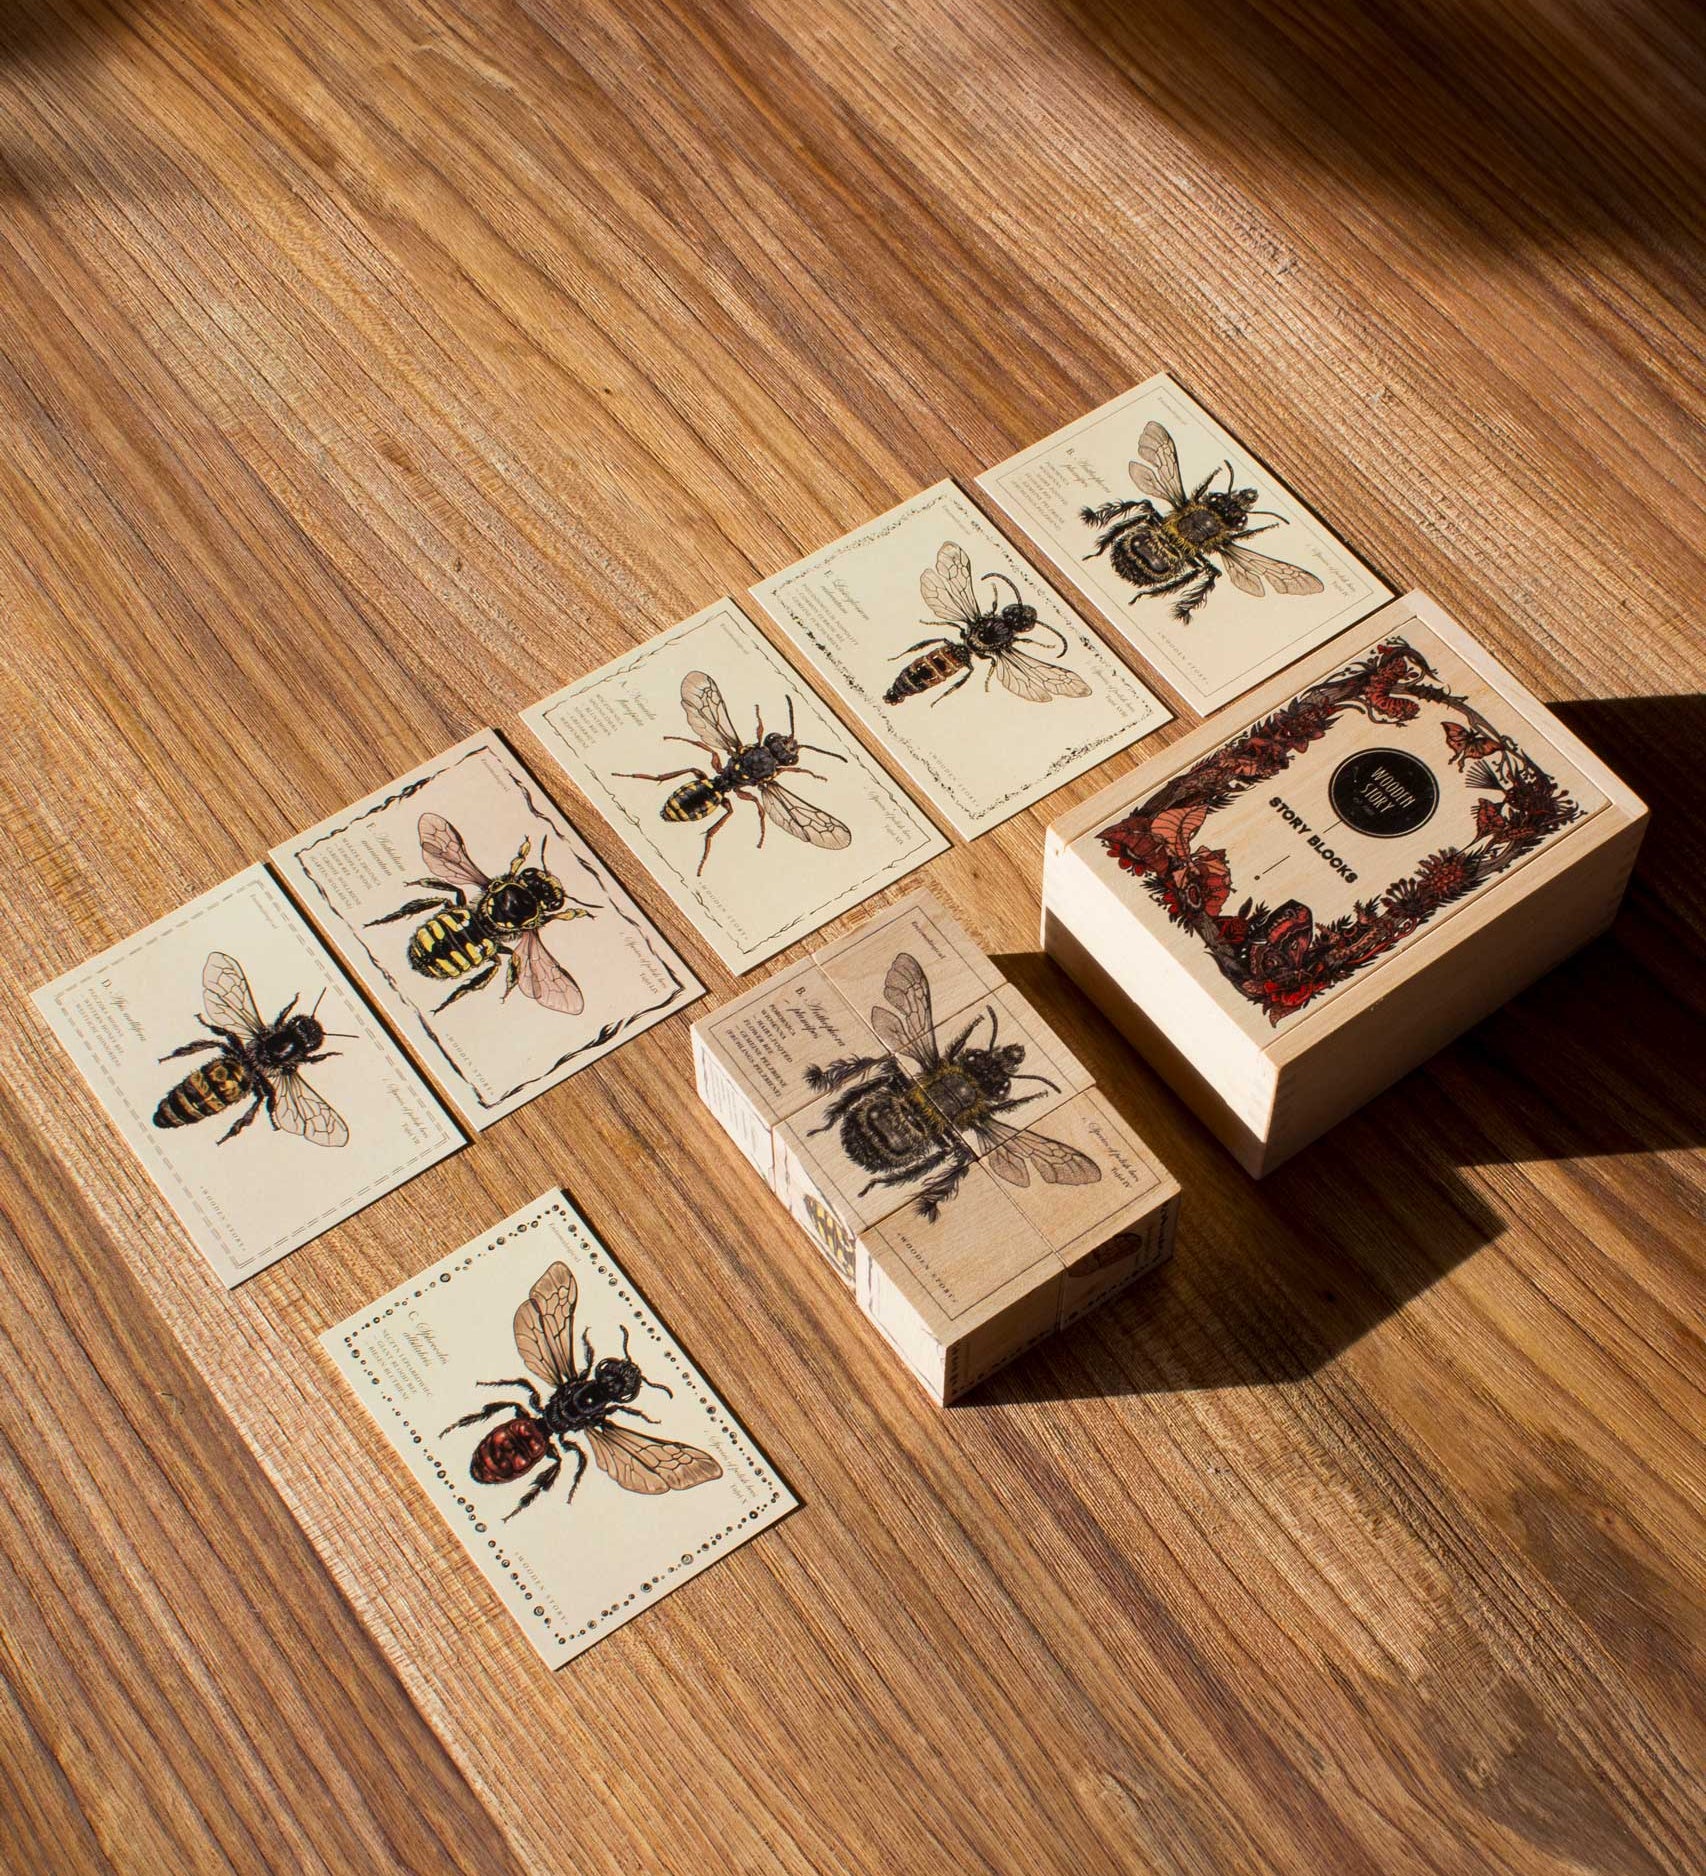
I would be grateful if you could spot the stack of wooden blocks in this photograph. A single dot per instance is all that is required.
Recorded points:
(937, 1141)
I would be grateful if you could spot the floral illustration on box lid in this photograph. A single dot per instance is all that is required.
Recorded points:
(1279, 957)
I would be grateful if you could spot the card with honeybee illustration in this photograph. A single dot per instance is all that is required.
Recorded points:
(262, 1096)
(743, 796)
(1184, 542)
(483, 925)
(985, 685)
(604, 1473)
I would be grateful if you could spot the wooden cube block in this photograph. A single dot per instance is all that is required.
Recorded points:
(937, 1141)
(1296, 904)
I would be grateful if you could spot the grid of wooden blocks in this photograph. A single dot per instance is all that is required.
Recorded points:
(937, 1141)
(1298, 903)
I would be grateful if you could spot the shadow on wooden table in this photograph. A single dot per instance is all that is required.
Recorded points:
(1507, 118)
(1275, 1278)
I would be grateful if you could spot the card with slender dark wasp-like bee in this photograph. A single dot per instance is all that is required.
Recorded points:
(578, 1455)
(1184, 542)
(745, 798)
(485, 927)
(260, 1093)
(960, 658)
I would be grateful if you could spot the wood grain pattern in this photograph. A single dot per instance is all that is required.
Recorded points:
(369, 371)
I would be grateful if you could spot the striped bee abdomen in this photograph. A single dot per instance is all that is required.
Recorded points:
(692, 801)
(933, 667)
(451, 944)
(210, 1089)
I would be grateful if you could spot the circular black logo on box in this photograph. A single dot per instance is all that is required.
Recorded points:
(1384, 792)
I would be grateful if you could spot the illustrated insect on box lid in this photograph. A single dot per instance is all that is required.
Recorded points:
(937, 1141)
(1290, 909)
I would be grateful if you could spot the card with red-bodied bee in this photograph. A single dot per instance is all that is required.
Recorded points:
(485, 927)
(1186, 543)
(258, 1091)
(580, 1458)
(960, 658)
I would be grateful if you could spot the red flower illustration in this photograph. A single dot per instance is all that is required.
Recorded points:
(1280, 959)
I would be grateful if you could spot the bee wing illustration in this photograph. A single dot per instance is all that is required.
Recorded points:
(1247, 569)
(910, 1027)
(444, 853)
(1037, 681)
(1012, 1151)
(803, 820)
(545, 1326)
(536, 974)
(950, 591)
(226, 999)
(1156, 470)
(638, 1462)
(296, 1108)
(708, 716)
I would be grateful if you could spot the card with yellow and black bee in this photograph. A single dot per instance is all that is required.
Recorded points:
(988, 689)
(1184, 542)
(742, 794)
(261, 1095)
(567, 1440)
(485, 927)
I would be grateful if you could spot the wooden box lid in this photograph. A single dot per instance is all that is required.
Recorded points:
(1296, 856)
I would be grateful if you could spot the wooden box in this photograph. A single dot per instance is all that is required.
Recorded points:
(937, 1142)
(1296, 904)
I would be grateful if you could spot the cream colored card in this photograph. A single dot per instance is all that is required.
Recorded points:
(258, 1090)
(990, 692)
(1186, 543)
(485, 927)
(740, 793)
(605, 1474)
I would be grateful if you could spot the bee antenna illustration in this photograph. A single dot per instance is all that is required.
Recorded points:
(1044, 626)
(317, 1002)
(1017, 595)
(1263, 514)
(1042, 1078)
(790, 716)
(813, 749)
(1231, 476)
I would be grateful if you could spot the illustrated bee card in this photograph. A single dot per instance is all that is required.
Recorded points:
(263, 1097)
(741, 794)
(960, 658)
(1186, 543)
(485, 927)
(577, 1454)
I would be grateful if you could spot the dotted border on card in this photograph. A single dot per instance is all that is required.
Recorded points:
(683, 1373)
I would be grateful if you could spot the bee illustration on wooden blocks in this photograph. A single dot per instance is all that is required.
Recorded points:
(464, 937)
(901, 1124)
(254, 1061)
(991, 633)
(578, 1416)
(1176, 552)
(743, 771)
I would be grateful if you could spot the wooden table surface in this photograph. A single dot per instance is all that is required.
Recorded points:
(370, 369)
